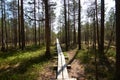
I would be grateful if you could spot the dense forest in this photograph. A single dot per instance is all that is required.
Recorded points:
(88, 32)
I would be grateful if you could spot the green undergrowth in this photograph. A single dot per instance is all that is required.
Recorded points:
(23, 65)
(65, 54)
(105, 70)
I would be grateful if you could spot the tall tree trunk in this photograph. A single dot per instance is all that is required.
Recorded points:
(47, 29)
(94, 47)
(6, 32)
(50, 24)
(14, 24)
(74, 33)
(39, 24)
(66, 37)
(35, 39)
(79, 25)
(68, 25)
(15, 32)
(19, 26)
(22, 26)
(43, 26)
(117, 75)
(97, 25)
(2, 25)
(102, 28)
(39, 33)
(6, 35)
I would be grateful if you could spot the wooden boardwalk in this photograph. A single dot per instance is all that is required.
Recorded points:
(62, 73)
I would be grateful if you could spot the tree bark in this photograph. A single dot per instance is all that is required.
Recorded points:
(68, 26)
(94, 47)
(19, 24)
(117, 75)
(6, 35)
(15, 31)
(2, 30)
(97, 25)
(35, 38)
(39, 25)
(74, 33)
(22, 26)
(102, 28)
(47, 29)
(66, 37)
(79, 26)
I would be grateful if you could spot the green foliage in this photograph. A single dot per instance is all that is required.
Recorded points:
(65, 54)
(83, 56)
(111, 53)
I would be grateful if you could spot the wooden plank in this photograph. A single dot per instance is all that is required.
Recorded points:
(62, 73)
(68, 79)
(59, 71)
(65, 72)
(59, 60)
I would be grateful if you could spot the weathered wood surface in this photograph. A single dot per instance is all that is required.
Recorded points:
(62, 73)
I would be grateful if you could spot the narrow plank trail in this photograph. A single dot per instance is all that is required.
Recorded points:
(62, 72)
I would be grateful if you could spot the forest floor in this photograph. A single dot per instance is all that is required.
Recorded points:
(47, 73)
(82, 66)
(32, 64)
(29, 64)
(77, 68)
(76, 71)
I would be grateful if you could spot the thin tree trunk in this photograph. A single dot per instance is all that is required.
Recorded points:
(6, 35)
(74, 33)
(22, 26)
(35, 39)
(79, 26)
(43, 26)
(19, 24)
(97, 25)
(102, 28)
(14, 25)
(68, 26)
(66, 37)
(2, 30)
(15, 32)
(39, 33)
(47, 29)
(39, 24)
(94, 46)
